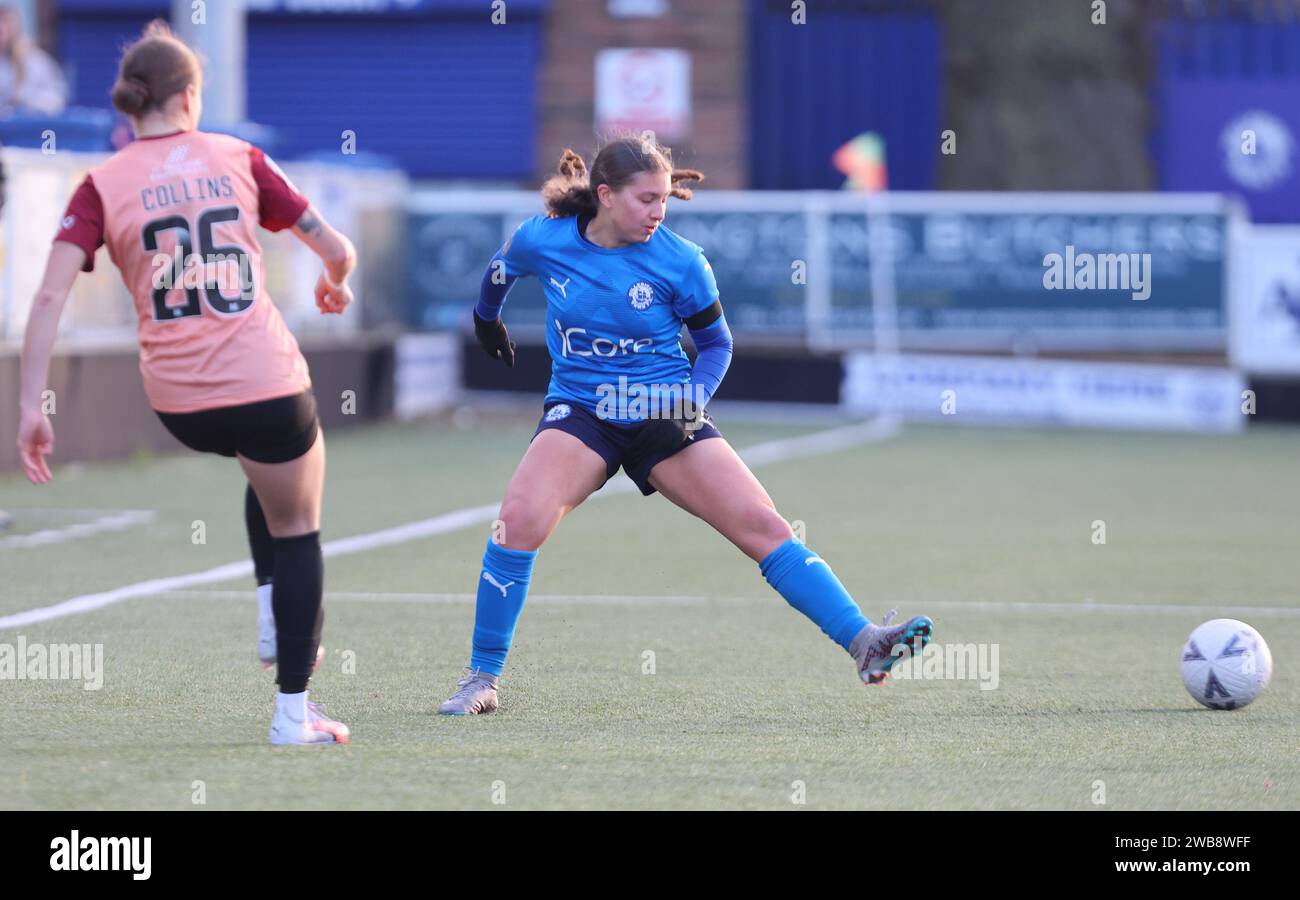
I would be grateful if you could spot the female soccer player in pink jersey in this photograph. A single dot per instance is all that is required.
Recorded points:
(178, 210)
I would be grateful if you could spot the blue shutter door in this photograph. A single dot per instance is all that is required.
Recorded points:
(817, 85)
(446, 96)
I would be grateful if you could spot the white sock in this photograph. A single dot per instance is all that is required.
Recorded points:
(264, 612)
(294, 705)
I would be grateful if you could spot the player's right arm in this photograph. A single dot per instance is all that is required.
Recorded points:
(80, 235)
(35, 434)
(507, 265)
(488, 327)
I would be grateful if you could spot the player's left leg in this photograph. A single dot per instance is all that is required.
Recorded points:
(709, 479)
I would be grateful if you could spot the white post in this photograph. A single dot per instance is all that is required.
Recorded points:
(817, 274)
(216, 30)
(27, 14)
(884, 301)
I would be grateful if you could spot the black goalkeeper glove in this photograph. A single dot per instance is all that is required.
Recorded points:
(494, 339)
(662, 436)
(668, 434)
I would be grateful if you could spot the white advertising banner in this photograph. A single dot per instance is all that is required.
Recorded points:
(1045, 392)
(1264, 316)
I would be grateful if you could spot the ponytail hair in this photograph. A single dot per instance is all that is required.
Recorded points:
(572, 192)
(569, 193)
(156, 67)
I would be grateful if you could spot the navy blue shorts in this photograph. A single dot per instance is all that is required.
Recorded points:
(615, 444)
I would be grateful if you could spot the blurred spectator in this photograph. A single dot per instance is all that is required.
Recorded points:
(30, 80)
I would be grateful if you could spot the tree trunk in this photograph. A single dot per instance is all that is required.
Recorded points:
(1041, 98)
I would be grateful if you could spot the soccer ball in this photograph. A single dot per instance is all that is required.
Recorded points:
(1226, 664)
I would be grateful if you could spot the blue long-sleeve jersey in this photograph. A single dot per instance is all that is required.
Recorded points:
(614, 315)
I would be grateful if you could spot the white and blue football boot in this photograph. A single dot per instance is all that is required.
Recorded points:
(874, 646)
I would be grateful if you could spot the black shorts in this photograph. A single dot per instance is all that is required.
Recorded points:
(272, 431)
(616, 444)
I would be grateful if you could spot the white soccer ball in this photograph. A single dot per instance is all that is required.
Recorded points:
(1226, 664)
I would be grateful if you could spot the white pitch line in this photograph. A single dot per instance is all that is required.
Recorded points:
(115, 521)
(820, 442)
(680, 599)
(437, 599)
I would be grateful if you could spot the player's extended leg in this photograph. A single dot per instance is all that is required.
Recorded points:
(709, 480)
(289, 494)
(556, 474)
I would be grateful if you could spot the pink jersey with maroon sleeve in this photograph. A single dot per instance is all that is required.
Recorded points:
(179, 215)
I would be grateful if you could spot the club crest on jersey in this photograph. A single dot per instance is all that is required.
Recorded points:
(558, 412)
(641, 295)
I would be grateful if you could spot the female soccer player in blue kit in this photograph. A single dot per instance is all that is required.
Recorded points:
(618, 287)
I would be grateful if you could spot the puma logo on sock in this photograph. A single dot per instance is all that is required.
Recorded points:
(487, 576)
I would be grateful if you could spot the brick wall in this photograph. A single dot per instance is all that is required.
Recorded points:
(713, 32)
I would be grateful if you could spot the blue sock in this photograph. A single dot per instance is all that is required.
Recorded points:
(500, 601)
(814, 590)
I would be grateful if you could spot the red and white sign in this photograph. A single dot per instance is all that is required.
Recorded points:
(640, 89)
